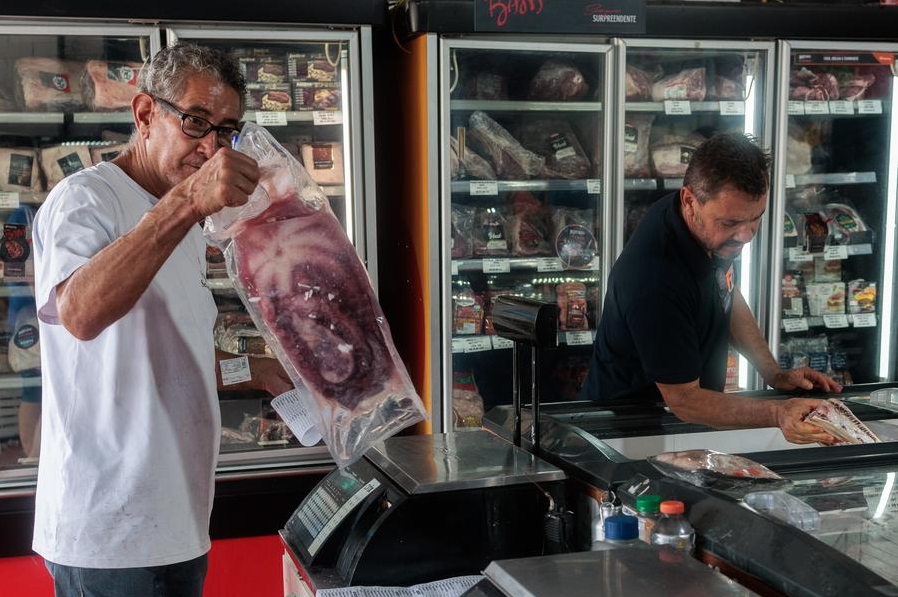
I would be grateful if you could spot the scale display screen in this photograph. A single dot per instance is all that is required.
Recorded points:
(329, 504)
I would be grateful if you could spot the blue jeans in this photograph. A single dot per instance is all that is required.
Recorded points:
(184, 579)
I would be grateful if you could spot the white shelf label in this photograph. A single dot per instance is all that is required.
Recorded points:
(502, 343)
(271, 118)
(548, 264)
(790, 181)
(864, 320)
(580, 338)
(458, 345)
(795, 108)
(836, 321)
(234, 370)
(832, 252)
(9, 200)
(677, 107)
(477, 344)
(869, 106)
(820, 107)
(732, 108)
(496, 266)
(327, 117)
(799, 254)
(594, 186)
(841, 107)
(795, 325)
(484, 187)
(454, 268)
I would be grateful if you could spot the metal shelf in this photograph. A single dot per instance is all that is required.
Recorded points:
(524, 106)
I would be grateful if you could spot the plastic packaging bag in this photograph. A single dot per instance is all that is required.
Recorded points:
(309, 294)
(717, 470)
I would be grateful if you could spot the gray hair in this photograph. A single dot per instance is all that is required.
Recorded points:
(728, 159)
(166, 75)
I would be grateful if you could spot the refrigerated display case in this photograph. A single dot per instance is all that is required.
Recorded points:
(305, 84)
(60, 111)
(306, 87)
(832, 306)
(518, 203)
(673, 95)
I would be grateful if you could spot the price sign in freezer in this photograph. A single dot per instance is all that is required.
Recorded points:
(329, 505)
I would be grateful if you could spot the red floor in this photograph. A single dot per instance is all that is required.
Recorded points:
(237, 567)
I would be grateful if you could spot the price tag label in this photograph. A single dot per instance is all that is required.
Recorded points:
(478, 344)
(496, 266)
(835, 252)
(835, 321)
(594, 186)
(234, 370)
(799, 254)
(677, 107)
(9, 200)
(820, 107)
(799, 324)
(795, 108)
(790, 181)
(458, 345)
(580, 338)
(502, 343)
(864, 320)
(327, 117)
(271, 118)
(454, 267)
(869, 106)
(732, 108)
(484, 187)
(548, 264)
(841, 107)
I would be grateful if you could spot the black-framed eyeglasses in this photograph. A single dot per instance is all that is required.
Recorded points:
(197, 127)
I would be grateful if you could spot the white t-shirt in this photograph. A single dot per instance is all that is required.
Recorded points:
(131, 422)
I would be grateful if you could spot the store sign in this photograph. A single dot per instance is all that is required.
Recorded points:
(560, 16)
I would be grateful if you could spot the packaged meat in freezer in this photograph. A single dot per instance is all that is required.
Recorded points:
(554, 139)
(688, 84)
(61, 160)
(105, 153)
(19, 170)
(323, 161)
(108, 85)
(511, 160)
(637, 135)
(471, 165)
(557, 80)
(49, 84)
(307, 290)
(638, 85)
(571, 299)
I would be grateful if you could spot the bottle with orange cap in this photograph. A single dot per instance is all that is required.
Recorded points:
(672, 528)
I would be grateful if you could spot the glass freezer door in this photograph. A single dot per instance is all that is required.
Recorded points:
(676, 93)
(833, 309)
(523, 139)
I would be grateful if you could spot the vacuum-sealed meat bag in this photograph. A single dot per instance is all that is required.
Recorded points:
(48, 84)
(109, 85)
(511, 160)
(305, 287)
(19, 170)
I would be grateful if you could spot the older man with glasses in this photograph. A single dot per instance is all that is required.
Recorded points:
(131, 421)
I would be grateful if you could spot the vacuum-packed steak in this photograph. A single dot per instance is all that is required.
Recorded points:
(109, 85)
(511, 160)
(314, 296)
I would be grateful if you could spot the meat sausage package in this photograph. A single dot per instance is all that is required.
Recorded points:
(306, 289)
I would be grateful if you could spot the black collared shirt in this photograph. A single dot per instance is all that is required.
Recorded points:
(663, 319)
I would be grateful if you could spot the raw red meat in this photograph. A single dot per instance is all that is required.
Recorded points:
(557, 81)
(48, 84)
(314, 296)
(109, 85)
(688, 84)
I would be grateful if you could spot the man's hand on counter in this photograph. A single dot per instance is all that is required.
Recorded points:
(270, 375)
(804, 378)
(790, 419)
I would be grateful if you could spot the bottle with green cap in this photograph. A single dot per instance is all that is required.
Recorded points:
(647, 512)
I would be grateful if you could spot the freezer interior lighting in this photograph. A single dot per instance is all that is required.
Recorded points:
(750, 103)
(888, 266)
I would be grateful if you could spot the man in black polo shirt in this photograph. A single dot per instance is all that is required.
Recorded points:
(672, 307)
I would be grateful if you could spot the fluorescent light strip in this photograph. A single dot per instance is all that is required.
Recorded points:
(746, 260)
(888, 265)
(884, 498)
